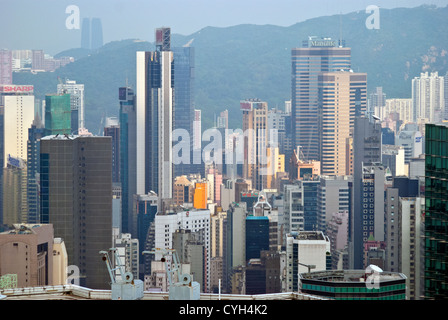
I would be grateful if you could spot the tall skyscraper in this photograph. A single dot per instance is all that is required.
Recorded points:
(155, 106)
(97, 34)
(5, 66)
(367, 151)
(85, 33)
(428, 97)
(16, 117)
(35, 133)
(76, 92)
(183, 92)
(76, 197)
(91, 33)
(128, 153)
(341, 96)
(316, 56)
(436, 212)
(256, 135)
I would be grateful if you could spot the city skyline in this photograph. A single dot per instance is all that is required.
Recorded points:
(342, 179)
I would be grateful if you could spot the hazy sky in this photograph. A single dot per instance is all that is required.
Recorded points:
(41, 24)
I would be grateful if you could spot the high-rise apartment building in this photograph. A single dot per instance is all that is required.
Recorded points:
(76, 197)
(198, 221)
(256, 135)
(5, 66)
(366, 151)
(17, 103)
(403, 107)
(315, 56)
(16, 117)
(38, 60)
(428, 97)
(436, 212)
(341, 95)
(154, 125)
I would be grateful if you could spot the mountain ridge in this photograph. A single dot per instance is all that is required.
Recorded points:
(254, 61)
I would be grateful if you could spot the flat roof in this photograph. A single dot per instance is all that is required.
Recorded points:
(350, 276)
(73, 292)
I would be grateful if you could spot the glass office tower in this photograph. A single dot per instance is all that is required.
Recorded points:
(436, 212)
(315, 56)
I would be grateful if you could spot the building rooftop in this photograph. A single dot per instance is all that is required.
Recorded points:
(308, 235)
(22, 228)
(73, 292)
(350, 276)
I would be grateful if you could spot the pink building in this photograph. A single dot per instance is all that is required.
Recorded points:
(5, 66)
(27, 251)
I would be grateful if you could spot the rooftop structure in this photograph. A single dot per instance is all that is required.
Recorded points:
(373, 284)
(74, 292)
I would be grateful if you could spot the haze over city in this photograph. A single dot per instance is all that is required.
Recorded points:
(198, 150)
(41, 24)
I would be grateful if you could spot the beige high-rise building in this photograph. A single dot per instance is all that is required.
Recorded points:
(17, 103)
(403, 107)
(255, 128)
(341, 95)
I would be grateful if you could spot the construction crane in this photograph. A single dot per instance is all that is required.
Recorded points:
(184, 288)
(125, 287)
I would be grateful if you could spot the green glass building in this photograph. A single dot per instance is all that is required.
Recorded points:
(436, 211)
(58, 114)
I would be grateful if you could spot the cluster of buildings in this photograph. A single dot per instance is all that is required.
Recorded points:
(28, 61)
(340, 195)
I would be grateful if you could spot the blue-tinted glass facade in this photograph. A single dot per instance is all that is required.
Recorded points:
(35, 133)
(257, 236)
(127, 155)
